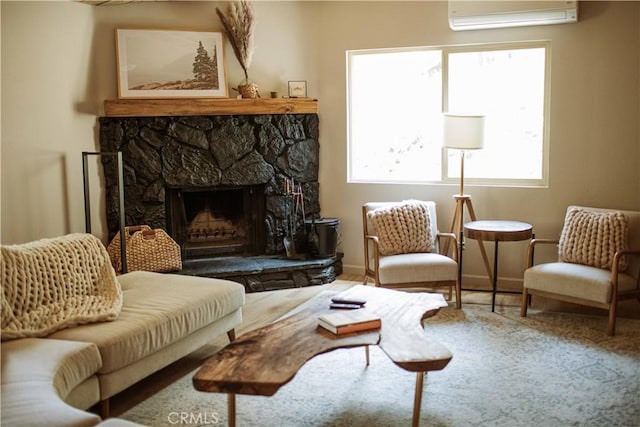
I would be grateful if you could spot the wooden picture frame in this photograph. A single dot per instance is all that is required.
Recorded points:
(170, 64)
(297, 89)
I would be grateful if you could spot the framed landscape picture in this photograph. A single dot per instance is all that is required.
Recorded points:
(170, 64)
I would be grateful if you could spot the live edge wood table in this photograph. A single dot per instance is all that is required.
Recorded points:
(497, 231)
(261, 361)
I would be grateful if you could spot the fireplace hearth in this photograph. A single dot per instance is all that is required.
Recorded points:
(217, 185)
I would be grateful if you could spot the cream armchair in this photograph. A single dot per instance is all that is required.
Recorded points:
(413, 269)
(598, 263)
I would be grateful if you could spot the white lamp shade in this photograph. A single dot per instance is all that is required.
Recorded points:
(463, 131)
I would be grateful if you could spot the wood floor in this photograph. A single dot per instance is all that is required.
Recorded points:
(262, 308)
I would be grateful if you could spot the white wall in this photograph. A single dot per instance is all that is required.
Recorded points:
(283, 34)
(46, 49)
(594, 138)
(58, 66)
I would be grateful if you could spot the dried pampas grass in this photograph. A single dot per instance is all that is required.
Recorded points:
(238, 23)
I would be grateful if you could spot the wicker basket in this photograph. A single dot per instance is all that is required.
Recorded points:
(147, 249)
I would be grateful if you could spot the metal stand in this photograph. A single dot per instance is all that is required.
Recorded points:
(87, 202)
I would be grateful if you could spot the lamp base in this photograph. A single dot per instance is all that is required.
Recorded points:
(457, 222)
(457, 227)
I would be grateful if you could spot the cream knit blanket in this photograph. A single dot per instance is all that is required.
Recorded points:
(57, 283)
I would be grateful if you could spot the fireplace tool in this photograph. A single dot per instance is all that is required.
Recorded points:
(296, 204)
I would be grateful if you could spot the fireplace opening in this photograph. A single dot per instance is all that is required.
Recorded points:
(217, 221)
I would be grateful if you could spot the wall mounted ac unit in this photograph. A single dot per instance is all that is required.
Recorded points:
(478, 14)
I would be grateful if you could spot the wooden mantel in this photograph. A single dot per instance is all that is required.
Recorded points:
(208, 106)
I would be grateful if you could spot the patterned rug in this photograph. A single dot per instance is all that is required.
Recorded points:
(548, 369)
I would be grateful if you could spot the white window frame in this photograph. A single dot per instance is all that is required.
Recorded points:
(446, 50)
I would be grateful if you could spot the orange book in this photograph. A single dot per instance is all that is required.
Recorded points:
(346, 322)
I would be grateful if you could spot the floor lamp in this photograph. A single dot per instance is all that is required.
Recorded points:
(464, 132)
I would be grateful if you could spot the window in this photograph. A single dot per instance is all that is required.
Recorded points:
(396, 98)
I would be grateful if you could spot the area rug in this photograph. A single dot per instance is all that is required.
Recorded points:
(548, 369)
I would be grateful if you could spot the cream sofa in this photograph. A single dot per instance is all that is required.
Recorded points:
(53, 380)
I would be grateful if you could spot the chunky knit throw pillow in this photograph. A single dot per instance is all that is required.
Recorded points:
(592, 238)
(57, 283)
(403, 228)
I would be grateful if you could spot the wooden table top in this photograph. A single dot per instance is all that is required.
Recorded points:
(261, 361)
(498, 230)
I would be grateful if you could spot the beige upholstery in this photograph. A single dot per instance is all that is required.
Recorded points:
(158, 311)
(164, 317)
(426, 270)
(584, 284)
(38, 374)
(116, 381)
(48, 381)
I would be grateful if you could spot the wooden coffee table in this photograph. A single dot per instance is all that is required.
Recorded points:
(261, 361)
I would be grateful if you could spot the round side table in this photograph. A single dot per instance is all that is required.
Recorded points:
(497, 231)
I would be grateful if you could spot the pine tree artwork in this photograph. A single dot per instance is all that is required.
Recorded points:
(171, 64)
(205, 68)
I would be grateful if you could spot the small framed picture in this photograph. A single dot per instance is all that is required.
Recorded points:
(298, 89)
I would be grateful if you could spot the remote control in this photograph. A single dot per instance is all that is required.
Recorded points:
(348, 300)
(343, 306)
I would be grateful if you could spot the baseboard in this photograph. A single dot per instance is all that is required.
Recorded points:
(352, 270)
(479, 282)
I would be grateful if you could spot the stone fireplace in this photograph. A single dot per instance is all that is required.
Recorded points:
(216, 184)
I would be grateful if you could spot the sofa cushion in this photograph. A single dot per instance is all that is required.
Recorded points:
(158, 309)
(37, 374)
(403, 228)
(575, 280)
(65, 363)
(414, 268)
(36, 405)
(593, 237)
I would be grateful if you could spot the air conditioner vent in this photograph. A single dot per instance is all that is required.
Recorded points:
(474, 15)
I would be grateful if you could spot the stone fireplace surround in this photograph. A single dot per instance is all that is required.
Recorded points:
(215, 151)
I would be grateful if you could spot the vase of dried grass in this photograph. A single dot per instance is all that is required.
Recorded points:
(248, 89)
